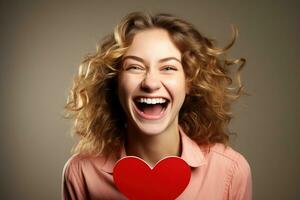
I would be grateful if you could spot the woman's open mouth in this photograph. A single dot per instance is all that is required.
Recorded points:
(151, 108)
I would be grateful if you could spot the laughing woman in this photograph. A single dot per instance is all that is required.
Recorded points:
(154, 88)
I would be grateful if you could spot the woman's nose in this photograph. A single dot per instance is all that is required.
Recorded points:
(151, 82)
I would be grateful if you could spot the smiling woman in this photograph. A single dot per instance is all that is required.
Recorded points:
(155, 88)
(152, 51)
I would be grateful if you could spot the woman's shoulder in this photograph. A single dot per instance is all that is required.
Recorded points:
(81, 159)
(78, 162)
(226, 154)
(236, 169)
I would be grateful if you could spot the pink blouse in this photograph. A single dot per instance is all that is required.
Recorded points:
(216, 174)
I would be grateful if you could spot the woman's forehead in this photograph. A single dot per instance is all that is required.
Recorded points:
(153, 44)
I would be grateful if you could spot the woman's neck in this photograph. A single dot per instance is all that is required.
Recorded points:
(152, 148)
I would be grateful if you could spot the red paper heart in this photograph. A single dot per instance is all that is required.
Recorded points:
(137, 181)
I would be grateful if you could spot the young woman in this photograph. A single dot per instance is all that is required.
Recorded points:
(155, 87)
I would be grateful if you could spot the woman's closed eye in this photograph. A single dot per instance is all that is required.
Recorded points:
(169, 68)
(134, 68)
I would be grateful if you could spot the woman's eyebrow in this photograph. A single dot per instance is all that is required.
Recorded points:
(143, 61)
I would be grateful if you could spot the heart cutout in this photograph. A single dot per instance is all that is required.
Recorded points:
(137, 181)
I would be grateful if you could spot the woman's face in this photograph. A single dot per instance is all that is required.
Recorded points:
(151, 84)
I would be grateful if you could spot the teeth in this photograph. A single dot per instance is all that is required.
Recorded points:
(151, 100)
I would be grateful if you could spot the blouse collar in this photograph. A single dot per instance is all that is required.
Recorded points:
(191, 153)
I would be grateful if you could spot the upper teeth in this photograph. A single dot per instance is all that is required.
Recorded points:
(151, 100)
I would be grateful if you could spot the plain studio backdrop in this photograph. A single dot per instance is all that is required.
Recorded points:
(43, 42)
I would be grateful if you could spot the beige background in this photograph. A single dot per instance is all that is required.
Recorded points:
(43, 43)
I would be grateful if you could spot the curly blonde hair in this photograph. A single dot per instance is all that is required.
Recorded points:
(205, 114)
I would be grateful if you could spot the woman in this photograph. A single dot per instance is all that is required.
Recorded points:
(156, 87)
